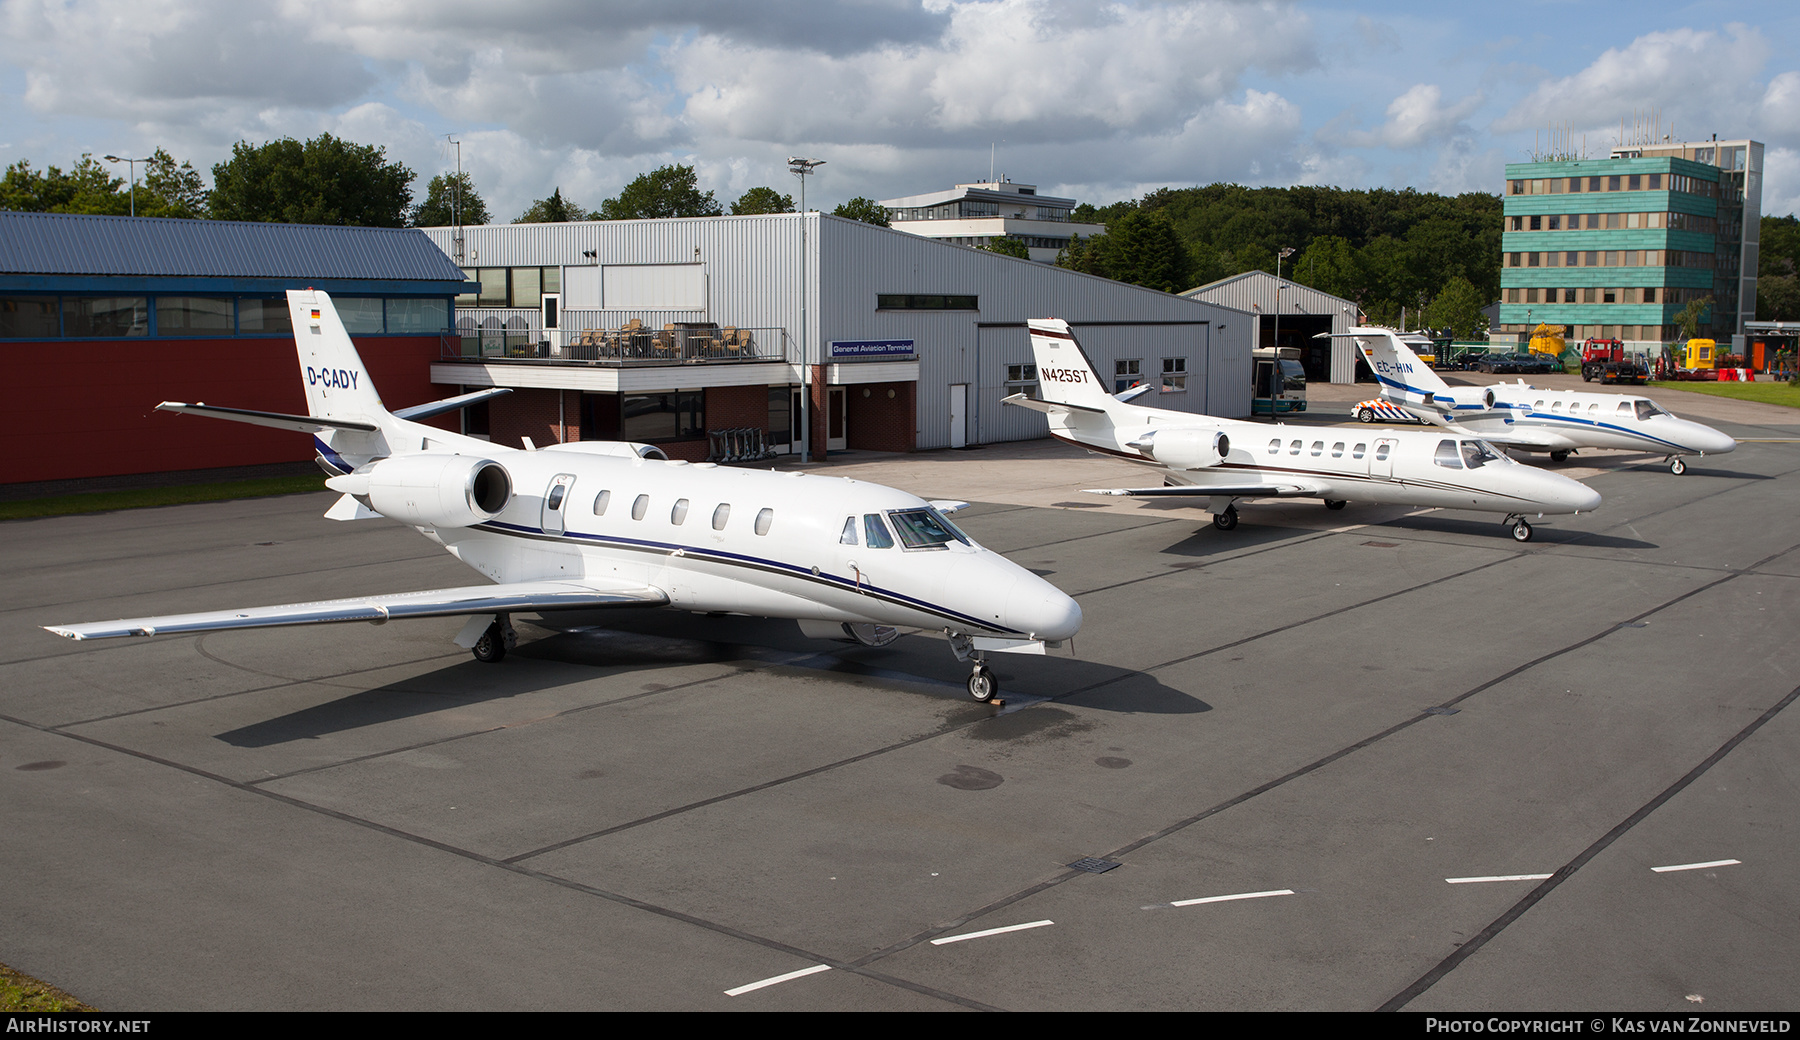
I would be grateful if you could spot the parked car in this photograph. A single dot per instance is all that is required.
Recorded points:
(1495, 364)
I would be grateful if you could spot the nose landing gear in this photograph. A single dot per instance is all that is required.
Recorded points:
(1521, 531)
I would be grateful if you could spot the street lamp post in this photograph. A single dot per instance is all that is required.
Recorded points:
(800, 168)
(1275, 385)
(131, 167)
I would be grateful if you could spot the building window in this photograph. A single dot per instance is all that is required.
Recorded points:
(1650, 294)
(1174, 375)
(194, 316)
(106, 316)
(29, 317)
(1126, 373)
(677, 415)
(1537, 222)
(899, 302)
(1022, 379)
(1518, 223)
(1609, 296)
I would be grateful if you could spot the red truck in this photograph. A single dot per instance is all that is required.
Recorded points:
(1606, 360)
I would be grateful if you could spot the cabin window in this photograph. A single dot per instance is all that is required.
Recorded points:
(1594, 409)
(1357, 452)
(720, 515)
(1318, 448)
(849, 535)
(1537, 406)
(1294, 448)
(640, 507)
(1447, 456)
(556, 497)
(679, 513)
(876, 532)
(1275, 446)
(1337, 450)
(1381, 451)
(601, 501)
(1624, 407)
(1556, 408)
(764, 517)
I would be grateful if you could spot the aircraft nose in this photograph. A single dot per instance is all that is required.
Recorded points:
(1568, 495)
(1711, 441)
(1041, 609)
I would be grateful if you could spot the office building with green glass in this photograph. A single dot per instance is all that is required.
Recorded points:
(1616, 247)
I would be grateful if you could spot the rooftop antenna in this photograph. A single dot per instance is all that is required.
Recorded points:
(456, 234)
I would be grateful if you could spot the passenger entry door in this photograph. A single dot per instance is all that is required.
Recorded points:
(1381, 458)
(556, 501)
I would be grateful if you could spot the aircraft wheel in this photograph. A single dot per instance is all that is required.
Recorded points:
(1521, 532)
(1335, 503)
(982, 684)
(1227, 520)
(1677, 467)
(491, 647)
(1558, 456)
(1366, 414)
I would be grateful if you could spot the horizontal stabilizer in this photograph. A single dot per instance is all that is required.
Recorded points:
(1219, 490)
(303, 423)
(475, 599)
(1036, 405)
(451, 404)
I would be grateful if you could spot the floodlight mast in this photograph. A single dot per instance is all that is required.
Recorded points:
(131, 165)
(800, 168)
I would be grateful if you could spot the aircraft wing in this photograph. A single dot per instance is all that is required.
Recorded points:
(581, 594)
(1294, 489)
(1527, 437)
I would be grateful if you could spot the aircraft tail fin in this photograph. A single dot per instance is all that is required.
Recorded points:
(336, 380)
(1070, 390)
(1403, 377)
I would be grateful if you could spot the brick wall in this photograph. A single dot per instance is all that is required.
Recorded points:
(532, 412)
(883, 417)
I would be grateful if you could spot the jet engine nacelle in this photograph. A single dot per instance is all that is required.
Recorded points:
(1447, 402)
(1185, 447)
(432, 490)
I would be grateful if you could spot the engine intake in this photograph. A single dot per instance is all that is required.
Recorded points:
(1185, 448)
(432, 490)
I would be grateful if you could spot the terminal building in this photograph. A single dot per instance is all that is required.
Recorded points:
(976, 214)
(729, 338)
(105, 317)
(1616, 247)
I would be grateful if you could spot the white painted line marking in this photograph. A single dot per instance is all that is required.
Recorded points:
(991, 931)
(1227, 899)
(1496, 877)
(778, 980)
(1698, 866)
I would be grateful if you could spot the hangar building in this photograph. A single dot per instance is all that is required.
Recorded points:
(710, 336)
(1305, 312)
(104, 317)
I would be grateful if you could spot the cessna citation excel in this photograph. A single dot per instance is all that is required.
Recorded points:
(1221, 460)
(594, 524)
(1524, 417)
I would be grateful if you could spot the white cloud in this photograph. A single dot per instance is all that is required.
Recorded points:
(1417, 117)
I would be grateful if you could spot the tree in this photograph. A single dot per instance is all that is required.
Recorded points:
(866, 210)
(169, 190)
(555, 210)
(446, 196)
(1007, 245)
(668, 191)
(1689, 319)
(87, 188)
(323, 181)
(762, 200)
(1458, 308)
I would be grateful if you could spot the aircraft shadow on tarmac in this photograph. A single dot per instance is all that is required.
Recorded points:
(1541, 533)
(633, 644)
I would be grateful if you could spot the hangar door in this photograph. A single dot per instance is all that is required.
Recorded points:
(1187, 362)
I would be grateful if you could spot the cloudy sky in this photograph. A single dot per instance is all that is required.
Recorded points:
(1100, 101)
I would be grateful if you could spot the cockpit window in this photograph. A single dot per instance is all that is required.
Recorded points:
(925, 528)
(1446, 455)
(849, 535)
(876, 532)
(1477, 454)
(1647, 409)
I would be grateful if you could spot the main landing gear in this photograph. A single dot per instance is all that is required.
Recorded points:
(492, 645)
(1676, 466)
(1559, 456)
(1336, 503)
(1227, 520)
(1521, 531)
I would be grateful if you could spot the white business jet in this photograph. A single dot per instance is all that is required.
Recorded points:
(1521, 416)
(595, 524)
(1222, 460)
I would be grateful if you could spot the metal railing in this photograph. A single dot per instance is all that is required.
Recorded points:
(693, 343)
